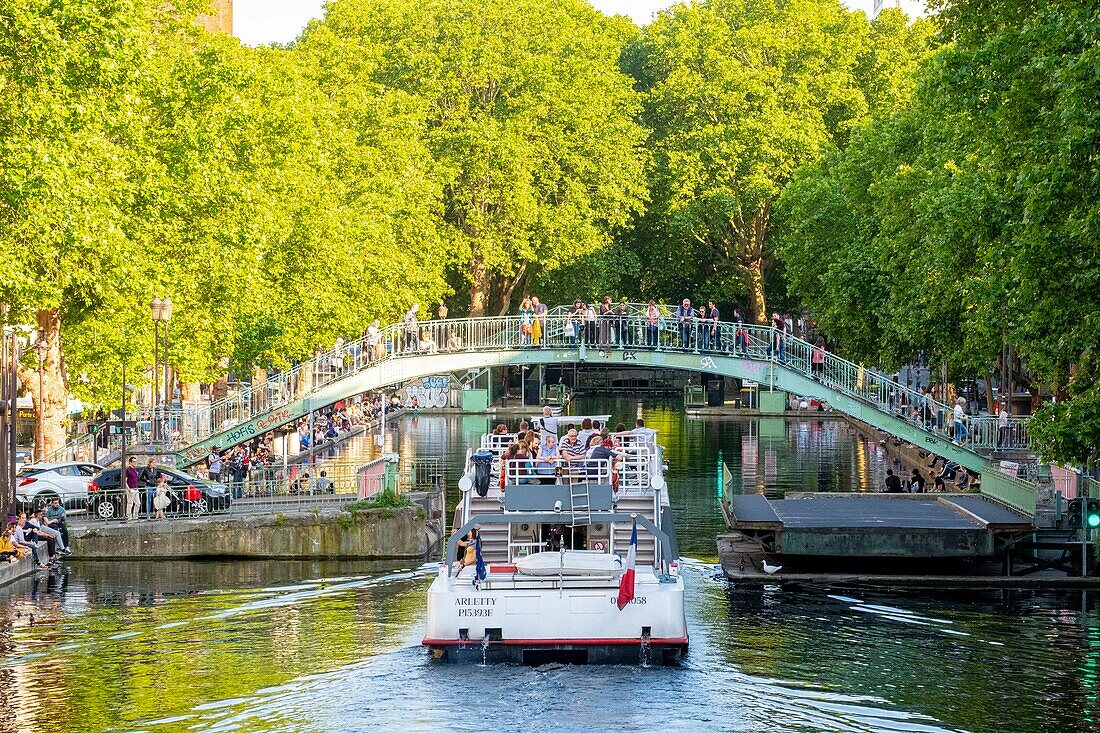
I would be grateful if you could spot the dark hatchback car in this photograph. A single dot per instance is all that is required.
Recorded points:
(188, 494)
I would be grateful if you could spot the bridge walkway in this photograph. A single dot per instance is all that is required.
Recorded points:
(398, 354)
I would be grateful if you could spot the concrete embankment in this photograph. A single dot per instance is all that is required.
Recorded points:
(13, 571)
(329, 533)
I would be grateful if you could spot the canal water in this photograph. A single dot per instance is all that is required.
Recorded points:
(313, 646)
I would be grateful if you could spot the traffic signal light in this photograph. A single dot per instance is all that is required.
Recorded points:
(1092, 513)
(1074, 512)
(93, 429)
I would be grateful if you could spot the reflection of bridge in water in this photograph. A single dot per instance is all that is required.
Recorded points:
(398, 355)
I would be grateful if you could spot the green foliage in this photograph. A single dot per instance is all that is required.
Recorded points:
(739, 95)
(144, 156)
(529, 122)
(378, 501)
(971, 216)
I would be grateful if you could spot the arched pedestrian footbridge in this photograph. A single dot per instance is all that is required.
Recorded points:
(400, 353)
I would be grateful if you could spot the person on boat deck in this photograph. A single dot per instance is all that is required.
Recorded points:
(648, 435)
(586, 431)
(534, 443)
(571, 449)
(605, 450)
(548, 425)
(467, 550)
(546, 464)
(500, 429)
(516, 461)
(598, 433)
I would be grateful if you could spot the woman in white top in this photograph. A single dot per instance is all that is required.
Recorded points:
(960, 432)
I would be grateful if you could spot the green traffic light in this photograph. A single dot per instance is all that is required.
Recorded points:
(1094, 520)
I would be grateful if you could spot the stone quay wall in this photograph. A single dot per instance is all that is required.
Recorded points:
(369, 534)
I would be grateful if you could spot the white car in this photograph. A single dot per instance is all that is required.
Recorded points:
(39, 483)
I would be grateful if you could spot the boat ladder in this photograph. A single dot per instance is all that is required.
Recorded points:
(580, 504)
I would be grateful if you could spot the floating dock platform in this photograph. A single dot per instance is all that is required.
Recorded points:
(873, 526)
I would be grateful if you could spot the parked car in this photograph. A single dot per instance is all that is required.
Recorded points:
(189, 494)
(40, 483)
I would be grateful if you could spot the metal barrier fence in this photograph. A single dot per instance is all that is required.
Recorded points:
(294, 488)
(560, 330)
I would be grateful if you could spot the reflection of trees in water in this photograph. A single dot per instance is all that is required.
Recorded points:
(152, 639)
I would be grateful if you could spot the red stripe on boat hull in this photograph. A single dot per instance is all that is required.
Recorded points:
(674, 641)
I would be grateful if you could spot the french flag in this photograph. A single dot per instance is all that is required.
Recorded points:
(626, 583)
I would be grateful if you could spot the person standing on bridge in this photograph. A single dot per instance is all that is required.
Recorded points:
(817, 359)
(576, 322)
(526, 321)
(685, 318)
(538, 326)
(959, 414)
(605, 339)
(590, 325)
(412, 328)
(623, 334)
(740, 336)
(712, 335)
(652, 325)
(778, 346)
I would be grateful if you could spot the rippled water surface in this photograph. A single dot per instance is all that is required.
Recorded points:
(310, 646)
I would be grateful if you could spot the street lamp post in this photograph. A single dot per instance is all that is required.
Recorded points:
(40, 347)
(9, 357)
(161, 311)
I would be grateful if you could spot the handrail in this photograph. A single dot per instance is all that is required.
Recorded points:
(760, 343)
(660, 559)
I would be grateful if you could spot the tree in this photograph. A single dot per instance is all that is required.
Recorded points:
(972, 212)
(528, 119)
(143, 156)
(740, 94)
(68, 72)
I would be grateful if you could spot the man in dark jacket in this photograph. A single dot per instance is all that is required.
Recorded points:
(893, 483)
(148, 479)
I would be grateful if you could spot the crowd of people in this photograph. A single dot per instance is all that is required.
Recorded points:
(936, 481)
(537, 454)
(253, 468)
(24, 535)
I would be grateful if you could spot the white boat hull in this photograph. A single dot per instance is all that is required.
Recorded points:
(532, 621)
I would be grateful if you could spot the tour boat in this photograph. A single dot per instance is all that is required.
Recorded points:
(577, 561)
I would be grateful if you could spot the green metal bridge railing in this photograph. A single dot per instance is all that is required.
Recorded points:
(560, 330)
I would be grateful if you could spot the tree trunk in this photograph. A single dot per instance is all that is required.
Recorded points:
(990, 400)
(479, 287)
(49, 389)
(508, 289)
(756, 310)
(190, 392)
